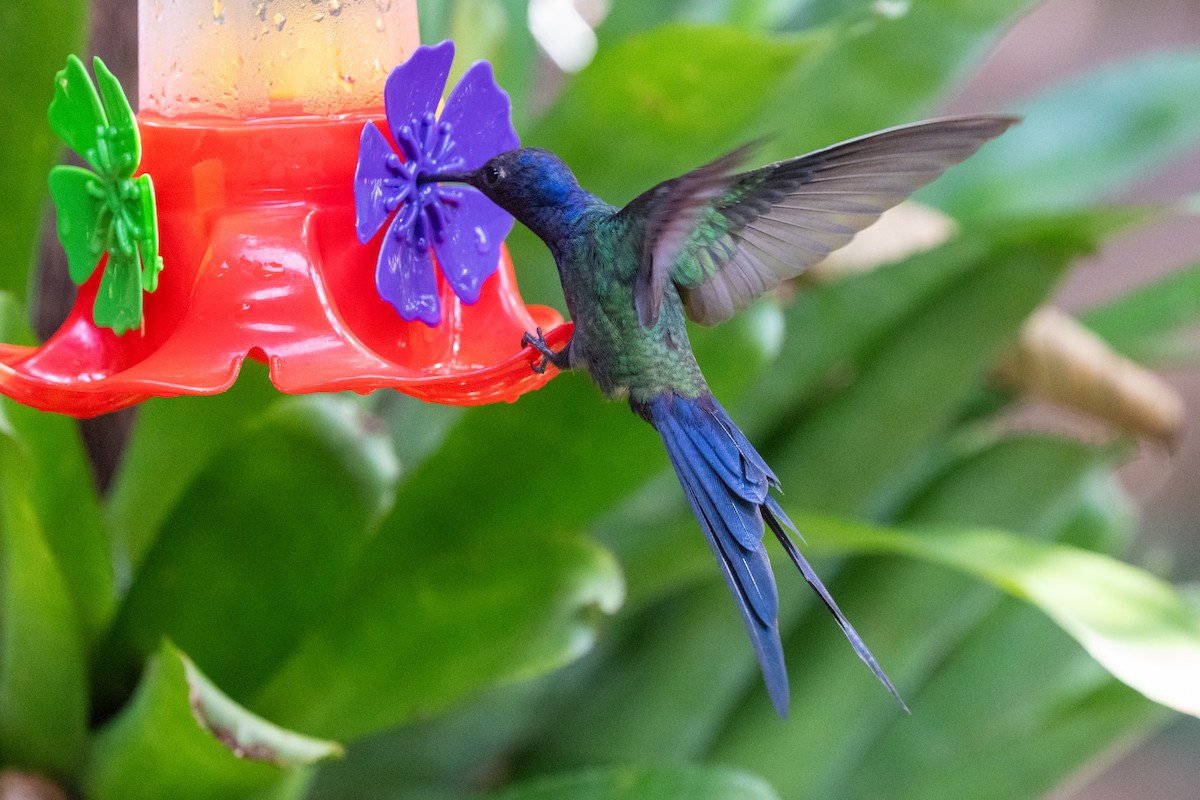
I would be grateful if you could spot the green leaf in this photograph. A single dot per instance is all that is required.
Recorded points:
(836, 325)
(1032, 483)
(915, 616)
(1154, 324)
(181, 737)
(443, 756)
(60, 484)
(1032, 684)
(664, 685)
(75, 191)
(856, 87)
(688, 105)
(644, 783)
(43, 682)
(915, 382)
(174, 440)
(433, 617)
(261, 540)
(1137, 626)
(1083, 140)
(40, 37)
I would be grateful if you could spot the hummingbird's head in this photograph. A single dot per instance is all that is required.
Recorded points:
(520, 181)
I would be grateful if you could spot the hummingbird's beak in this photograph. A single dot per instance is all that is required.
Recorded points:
(464, 176)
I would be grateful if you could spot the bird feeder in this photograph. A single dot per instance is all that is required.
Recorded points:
(251, 118)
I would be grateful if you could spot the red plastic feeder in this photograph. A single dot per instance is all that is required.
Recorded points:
(256, 219)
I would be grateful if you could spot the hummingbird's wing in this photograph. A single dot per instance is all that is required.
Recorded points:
(726, 238)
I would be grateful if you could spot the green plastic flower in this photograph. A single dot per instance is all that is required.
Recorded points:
(105, 210)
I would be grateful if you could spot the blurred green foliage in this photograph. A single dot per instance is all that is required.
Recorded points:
(513, 602)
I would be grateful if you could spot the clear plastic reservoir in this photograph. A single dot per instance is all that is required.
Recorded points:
(255, 58)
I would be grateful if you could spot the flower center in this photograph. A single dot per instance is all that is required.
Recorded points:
(428, 148)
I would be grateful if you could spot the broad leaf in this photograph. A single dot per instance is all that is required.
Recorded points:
(914, 384)
(174, 440)
(665, 101)
(693, 783)
(181, 737)
(59, 480)
(858, 85)
(431, 618)
(28, 60)
(261, 540)
(683, 663)
(43, 685)
(1154, 324)
(833, 326)
(1038, 693)
(913, 615)
(1137, 626)
(1083, 140)
(1032, 483)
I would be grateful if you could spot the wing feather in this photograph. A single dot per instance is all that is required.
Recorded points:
(725, 238)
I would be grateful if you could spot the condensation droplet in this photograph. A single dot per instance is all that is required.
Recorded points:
(279, 20)
(218, 11)
(260, 9)
(320, 15)
(379, 24)
(481, 240)
(335, 7)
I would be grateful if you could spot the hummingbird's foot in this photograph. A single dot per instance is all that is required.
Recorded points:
(538, 342)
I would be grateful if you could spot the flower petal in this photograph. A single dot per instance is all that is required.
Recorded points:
(414, 88)
(119, 301)
(404, 277)
(471, 249)
(146, 214)
(78, 210)
(370, 192)
(124, 137)
(480, 115)
(75, 112)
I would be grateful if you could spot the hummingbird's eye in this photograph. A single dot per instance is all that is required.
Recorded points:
(493, 174)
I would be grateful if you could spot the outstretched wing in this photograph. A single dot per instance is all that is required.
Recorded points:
(726, 238)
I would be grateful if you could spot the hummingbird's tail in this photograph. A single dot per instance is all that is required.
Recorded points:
(726, 482)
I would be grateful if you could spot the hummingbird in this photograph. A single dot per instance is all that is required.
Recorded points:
(703, 246)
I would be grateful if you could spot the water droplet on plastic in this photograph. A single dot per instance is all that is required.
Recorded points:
(218, 11)
(335, 7)
(279, 20)
(481, 240)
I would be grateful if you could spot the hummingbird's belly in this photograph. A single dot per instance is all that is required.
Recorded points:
(626, 359)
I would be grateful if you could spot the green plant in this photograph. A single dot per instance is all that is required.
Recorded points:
(512, 602)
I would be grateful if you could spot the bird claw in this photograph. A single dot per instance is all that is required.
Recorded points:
(538, 342)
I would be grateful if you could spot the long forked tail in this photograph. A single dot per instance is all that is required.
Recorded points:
(727, 483)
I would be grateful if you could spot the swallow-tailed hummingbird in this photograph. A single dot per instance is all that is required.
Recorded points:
(703, 246)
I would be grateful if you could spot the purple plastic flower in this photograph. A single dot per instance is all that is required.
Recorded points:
(461, 226)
